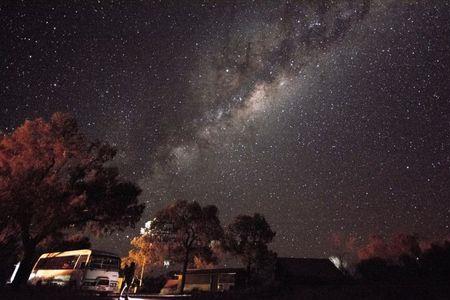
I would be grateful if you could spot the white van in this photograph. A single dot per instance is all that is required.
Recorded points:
(83, 269)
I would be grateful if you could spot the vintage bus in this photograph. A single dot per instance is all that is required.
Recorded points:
(84, 269)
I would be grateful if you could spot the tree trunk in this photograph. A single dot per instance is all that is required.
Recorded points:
(249, 271)
(142, 273)
(26, 264)
(183, 275)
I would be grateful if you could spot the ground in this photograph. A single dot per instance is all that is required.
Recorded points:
(349, 291)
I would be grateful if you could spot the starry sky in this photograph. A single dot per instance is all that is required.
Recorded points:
(325, 116)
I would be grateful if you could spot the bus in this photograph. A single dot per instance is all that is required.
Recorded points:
(85, 269)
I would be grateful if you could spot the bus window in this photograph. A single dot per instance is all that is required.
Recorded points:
(104, 262)
(57, 263)
(81, 263)
(111, 263)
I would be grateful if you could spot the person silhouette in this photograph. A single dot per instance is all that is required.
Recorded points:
(128, 272)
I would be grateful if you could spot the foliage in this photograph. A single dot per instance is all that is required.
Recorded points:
(436, 261)
(248, 237)
(391, 249)
(186, 230)
(431, 265)
(144, 253)
(64, 242)
(52, 179)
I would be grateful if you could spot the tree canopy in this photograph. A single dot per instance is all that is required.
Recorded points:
(52, 179)
(187, 231)
(247, 237)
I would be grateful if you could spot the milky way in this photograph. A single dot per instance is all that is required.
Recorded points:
(327, 117)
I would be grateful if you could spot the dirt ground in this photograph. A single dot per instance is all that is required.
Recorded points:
(334, 292)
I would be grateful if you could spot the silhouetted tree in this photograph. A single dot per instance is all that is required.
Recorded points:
(64, 242)
(248, 237)
(53, 179)
(187, 230)
(390, 249)
(435, 262)
(209, 258)
(431, 265)
(375, 269)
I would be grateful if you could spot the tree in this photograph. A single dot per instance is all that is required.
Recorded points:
(248, 237)
(52, 179)
(145, 251)
(187, 230)
(63, 242)
(390, 249)
(374, 269)
(435, 261)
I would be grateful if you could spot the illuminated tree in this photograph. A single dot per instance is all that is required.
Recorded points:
(390, 249)
(188, 231)
(52, 179)
(145, 252)
(247, 237)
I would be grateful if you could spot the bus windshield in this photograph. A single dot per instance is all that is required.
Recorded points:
(104, 262)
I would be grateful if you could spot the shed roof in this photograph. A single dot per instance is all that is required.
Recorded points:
(215, 271)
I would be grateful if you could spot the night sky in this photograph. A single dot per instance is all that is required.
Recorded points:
(325, 116)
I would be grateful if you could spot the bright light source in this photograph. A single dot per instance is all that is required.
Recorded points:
(148, 224)
(166, 263)
(13, 275)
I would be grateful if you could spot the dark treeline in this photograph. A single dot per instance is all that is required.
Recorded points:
(425, 266)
